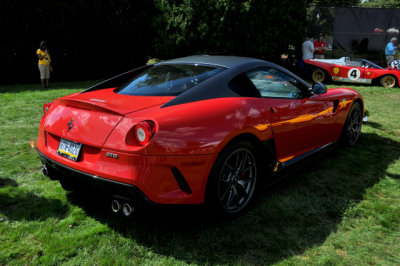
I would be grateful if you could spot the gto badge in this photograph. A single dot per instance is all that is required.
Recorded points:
(70, 124)
(112, 155)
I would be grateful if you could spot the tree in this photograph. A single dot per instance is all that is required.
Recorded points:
(320, 15)
(381, 3)
(259, 28)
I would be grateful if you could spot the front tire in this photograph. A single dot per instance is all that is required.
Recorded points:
(233, 178)
(352, 127)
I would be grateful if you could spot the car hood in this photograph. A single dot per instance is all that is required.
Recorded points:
(89, 118)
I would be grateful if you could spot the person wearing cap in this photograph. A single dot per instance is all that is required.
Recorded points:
(320, 47)
(44, 64)
(390, 50)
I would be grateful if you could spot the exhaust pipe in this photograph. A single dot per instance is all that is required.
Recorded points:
(127, 209)
(115, 206)
(45, 172)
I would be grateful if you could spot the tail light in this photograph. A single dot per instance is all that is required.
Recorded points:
(144, 131)
(46, 107)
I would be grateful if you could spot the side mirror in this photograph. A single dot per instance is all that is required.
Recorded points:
(319, 88)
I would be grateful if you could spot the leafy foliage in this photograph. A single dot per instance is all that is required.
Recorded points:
(381, 3)
(335, 3)
(320, 15)
(258, 28)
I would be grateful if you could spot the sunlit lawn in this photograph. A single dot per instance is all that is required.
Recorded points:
(343, 209)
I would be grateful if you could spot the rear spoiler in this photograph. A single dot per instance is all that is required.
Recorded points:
(117, 81)
(87, 105)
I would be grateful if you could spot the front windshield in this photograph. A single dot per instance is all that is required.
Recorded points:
(368, 64)
(167, 80)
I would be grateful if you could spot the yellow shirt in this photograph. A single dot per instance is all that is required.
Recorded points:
(45, 60)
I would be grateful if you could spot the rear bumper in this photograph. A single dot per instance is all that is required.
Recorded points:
(156, 179)
(106, 186)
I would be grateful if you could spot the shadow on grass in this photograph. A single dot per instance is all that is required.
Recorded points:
(8, 182)
(375, 125)
(21, 205)
(394, 176)
(286, 219)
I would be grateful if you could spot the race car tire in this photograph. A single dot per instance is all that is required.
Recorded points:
(388, 81)
(318, 75)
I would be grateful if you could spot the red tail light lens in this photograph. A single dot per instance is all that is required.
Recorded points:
(46, 107)
(144, 131)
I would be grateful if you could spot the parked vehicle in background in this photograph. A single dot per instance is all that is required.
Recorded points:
(360, 71)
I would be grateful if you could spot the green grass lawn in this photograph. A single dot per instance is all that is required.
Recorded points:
(343, 209)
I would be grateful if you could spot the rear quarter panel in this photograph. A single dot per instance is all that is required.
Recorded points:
(196, 128)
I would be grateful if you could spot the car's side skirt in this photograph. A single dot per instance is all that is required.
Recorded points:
(283, 169)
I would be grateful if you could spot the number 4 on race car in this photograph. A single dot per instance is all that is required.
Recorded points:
(354, 74)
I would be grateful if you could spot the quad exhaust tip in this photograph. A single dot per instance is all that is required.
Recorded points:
(116, 206)
(45, 172)
(127, 209)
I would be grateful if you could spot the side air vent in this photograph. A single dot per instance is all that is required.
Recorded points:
(335, 105)
(183, 185)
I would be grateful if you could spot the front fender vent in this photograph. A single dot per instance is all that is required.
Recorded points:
(335, 105)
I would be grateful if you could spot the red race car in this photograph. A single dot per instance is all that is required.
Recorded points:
(353, 71)
(200, 129)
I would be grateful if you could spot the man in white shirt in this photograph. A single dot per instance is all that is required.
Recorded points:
(308, 48)
(308, 53)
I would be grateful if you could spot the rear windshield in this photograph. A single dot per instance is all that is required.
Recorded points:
(167, 80)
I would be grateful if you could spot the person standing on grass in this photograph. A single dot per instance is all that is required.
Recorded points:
(44, 64)
(390, 50)
(320, 47)
(308, 53)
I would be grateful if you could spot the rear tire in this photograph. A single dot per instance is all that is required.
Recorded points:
(318, 75)
(352, 127)
(233, 179)
(388, 81)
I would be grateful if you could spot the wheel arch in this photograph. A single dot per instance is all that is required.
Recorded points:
(358, 100)
(266, 148)
(377, 80)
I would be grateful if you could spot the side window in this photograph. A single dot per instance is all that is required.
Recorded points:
(273, 83)
(243, 86)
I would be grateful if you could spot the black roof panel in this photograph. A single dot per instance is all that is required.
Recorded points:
(217, 60)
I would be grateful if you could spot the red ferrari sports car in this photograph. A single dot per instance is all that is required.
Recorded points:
(193, 130)
(353, 71)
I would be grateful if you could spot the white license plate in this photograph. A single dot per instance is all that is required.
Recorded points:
(69, 149)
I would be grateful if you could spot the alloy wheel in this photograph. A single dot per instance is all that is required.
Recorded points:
(237, 180)
(354, 125)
